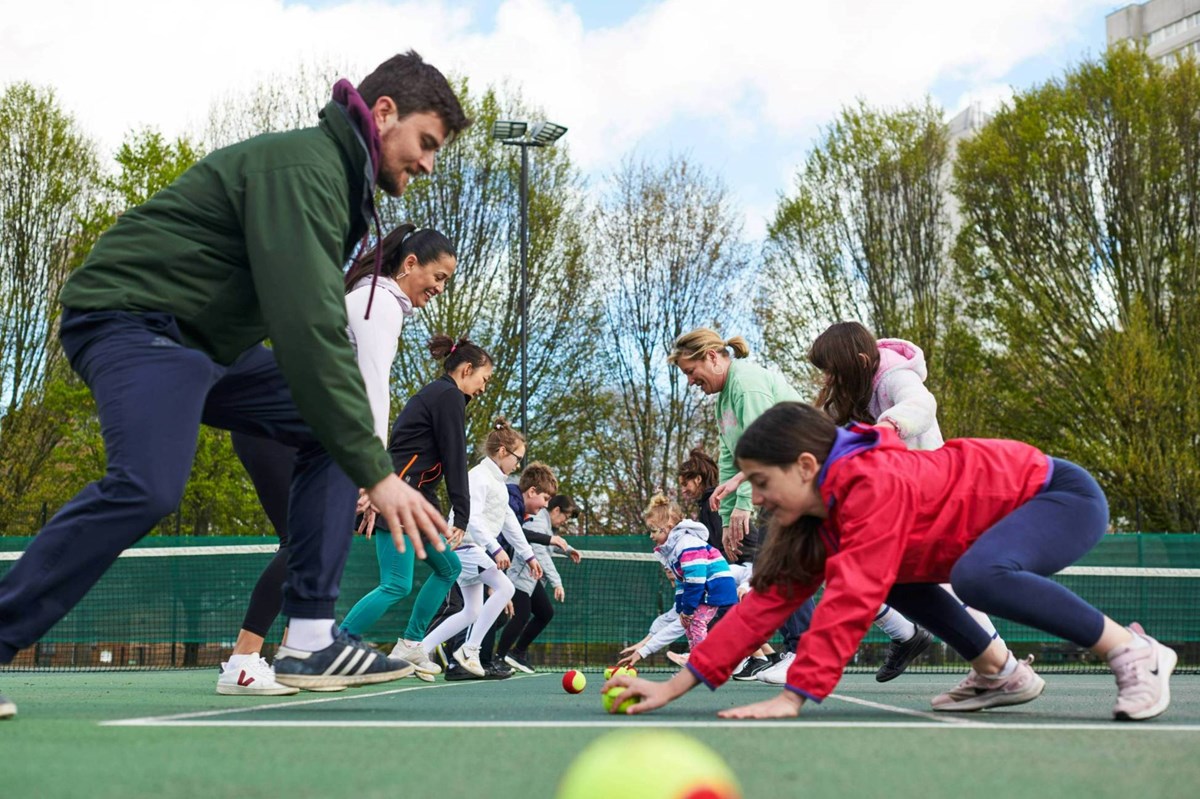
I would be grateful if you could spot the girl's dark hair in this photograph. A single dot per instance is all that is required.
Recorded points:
(699, 464)
(794, 552)
(427, 244)
(415, 86)
(456, 353)
(837, 352)
(502, 435)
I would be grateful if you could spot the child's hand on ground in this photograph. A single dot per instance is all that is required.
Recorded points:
(785, 705)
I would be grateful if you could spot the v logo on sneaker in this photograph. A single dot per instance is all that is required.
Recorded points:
(244, 679)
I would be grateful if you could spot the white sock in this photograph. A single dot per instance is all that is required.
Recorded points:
(894, 625)
(1010, 666)
(1137, 642)
(235, 661)
(310, 635)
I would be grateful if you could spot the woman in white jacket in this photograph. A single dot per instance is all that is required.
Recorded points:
(416, 265)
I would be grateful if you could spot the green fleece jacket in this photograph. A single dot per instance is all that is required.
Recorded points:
(749, 390)
(249, 244)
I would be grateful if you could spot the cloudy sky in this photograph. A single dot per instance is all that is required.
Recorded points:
(742, 86)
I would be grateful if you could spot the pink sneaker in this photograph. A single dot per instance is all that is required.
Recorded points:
(1143, 678)
(977, 692)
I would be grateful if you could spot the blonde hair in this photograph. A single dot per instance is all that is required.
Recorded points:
(660, 506)
(502, 435)
(694, 345)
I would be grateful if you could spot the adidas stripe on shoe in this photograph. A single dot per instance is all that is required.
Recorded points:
(347, 662)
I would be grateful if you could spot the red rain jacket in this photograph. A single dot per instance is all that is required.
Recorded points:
(895, 516)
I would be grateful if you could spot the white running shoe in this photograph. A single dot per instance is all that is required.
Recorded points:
(7, 708)
(468, 658)
(252, 676)
(977, 692)
(1143, 678)
(415, 654)
(777, 674)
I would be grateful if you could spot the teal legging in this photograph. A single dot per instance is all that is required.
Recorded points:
(395, 583)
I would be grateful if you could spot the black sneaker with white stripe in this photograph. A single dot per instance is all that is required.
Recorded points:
(347, 662)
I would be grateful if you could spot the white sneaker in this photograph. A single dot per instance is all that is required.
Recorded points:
(251, 676)
(1143, 678)
(777, 674)
(415, 654)
(7, 708)
(468, 658)
(678, 659)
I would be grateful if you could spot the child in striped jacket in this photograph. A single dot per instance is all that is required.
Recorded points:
(703, 582)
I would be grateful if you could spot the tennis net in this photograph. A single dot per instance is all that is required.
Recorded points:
(179, 603)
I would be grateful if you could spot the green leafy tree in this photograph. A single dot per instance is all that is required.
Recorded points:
(48, 169)
(866, 235)
(1081, 204)
(473, 199)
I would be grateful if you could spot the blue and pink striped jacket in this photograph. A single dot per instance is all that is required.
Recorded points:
(702, 575)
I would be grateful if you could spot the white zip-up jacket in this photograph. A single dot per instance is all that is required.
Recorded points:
(898, 394)
(376, 342)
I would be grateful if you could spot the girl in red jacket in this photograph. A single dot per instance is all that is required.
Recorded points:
(874, 521)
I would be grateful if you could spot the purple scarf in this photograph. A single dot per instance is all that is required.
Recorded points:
(344, 94)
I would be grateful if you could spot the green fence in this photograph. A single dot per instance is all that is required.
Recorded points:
(178, 602)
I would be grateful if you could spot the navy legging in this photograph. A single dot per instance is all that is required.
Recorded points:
(1006, 571)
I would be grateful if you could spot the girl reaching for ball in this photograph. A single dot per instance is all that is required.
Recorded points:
(855, 509)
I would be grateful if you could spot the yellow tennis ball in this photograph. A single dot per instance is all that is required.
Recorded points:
(615, 671)
(610, 696)
(609, 672)
(648, 764)
(573, 682)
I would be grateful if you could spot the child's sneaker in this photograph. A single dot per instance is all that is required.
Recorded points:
(1143, 678)
(468, 658)
(901, 653)
(348, 661)
(7, 708)
(977, 692)
(519, 661)
(415, 654)
(678, 659)
(251, 676)
(776, 673)
(750, 668)
(497, 670)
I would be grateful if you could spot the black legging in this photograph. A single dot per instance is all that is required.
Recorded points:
(522, 629)
(269, 465)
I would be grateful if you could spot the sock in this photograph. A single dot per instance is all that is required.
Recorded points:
(310, 635)
(236, 661)
(1137, 642)
(894, 625)
(1010, 666)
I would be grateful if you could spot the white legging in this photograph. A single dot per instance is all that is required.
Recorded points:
(483, 614)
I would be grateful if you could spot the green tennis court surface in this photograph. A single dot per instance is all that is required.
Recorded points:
(134, 734)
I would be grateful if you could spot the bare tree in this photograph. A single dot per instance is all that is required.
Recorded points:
(668, 241)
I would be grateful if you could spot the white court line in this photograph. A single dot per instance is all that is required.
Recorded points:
(154, 721)
(656, 723)
(941, 718)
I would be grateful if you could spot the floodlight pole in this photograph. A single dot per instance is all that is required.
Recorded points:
(504, 134)
(524, 289)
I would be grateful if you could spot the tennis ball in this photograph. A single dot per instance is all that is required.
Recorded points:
(610, 696)
(574, 682)
(648, 764)
(613, 671)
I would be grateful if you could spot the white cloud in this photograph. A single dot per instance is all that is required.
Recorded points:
(774, 68)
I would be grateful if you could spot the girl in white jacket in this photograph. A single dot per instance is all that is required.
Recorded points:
(484, 561)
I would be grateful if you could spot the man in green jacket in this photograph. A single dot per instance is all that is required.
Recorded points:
(165, 323)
